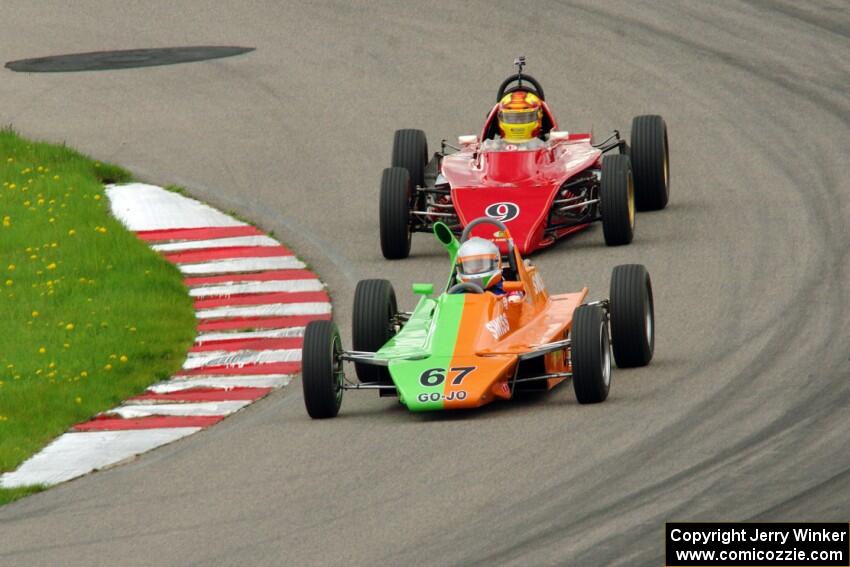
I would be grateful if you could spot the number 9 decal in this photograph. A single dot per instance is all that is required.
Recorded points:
(502, 211)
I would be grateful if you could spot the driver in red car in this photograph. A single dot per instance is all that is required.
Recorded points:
(520, 117)
(480, 263)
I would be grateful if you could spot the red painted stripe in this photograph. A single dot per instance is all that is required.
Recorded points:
(207, 395)
(260, 322)
(248, 369)
(271, 275)
(206, 233)
(209, 254)
(250, 344)
(107, 423)
(262, 299)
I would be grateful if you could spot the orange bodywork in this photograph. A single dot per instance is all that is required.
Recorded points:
(495, 330)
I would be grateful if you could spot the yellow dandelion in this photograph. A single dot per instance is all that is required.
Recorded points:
(40, 202)
(69, 327)
(7, 221)
(42, 350)
(123, 358)
(35, 314)
(9, 283)
(66, 345)
(113, 356)
(51, 266)
(132, 329)
(108, 367)
(72, 232)
(11, 267)
(55, 178)
(52, 365)
(12, 185)
(97, 197)
(84, 373)
(78, 399)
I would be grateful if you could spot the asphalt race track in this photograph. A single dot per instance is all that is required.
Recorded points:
(743, 413)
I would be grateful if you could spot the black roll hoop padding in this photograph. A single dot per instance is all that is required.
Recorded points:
(487, 220)
(503, 88)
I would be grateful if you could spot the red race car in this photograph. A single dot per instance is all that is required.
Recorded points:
(543, 182)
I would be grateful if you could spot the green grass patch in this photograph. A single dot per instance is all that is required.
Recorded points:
(9, 494)
(89, 314)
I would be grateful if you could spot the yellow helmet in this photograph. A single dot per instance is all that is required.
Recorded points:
(520, 117)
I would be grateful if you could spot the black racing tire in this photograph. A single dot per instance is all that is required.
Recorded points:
(395, 213)
(590, 353)
(650, 155)
(617, 200)
(321, 369)
(410, 151)
(632, 314)
(372, 325)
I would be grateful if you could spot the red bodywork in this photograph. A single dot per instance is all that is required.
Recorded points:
(529, 179)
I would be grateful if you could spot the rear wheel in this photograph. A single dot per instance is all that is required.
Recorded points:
(372, 325)
(395, 213)
(590, 355)
(632, 316)
(617, 200)
(651, 162)
(321, 369)
(410, 151)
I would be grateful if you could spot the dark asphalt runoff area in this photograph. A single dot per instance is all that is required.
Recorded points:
(743, 413)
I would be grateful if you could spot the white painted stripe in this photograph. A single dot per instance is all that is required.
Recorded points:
(147, 207)
(270, 310)
(257, 287)
(130, 411)
(79, 453)
(222, 382)
(240, 358)
(216, 243)
(264, 334)
(238, 265)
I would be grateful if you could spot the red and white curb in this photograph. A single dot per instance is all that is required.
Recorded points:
(253, 298)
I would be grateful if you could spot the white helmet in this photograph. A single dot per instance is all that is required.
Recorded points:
(479, 262)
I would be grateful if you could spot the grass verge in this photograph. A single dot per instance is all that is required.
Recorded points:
(89, 314)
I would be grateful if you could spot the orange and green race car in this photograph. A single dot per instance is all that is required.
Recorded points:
(467, 347)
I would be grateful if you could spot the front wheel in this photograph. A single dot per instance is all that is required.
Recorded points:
(395, 213)
(617, 200)
(632, 316)
(321, 369)
(590, 354)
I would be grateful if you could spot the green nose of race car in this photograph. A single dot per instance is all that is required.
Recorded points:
(433, 360)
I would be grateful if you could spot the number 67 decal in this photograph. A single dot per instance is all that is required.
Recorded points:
(436, 376)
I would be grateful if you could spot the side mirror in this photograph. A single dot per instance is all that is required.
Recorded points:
(423, 289)
(511, 287)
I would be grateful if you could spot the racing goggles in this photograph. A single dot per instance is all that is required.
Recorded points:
(523, 117)
(478, 264)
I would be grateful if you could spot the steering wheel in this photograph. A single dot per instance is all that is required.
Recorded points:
(487, 220)
(465, 287)
(536, 88)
